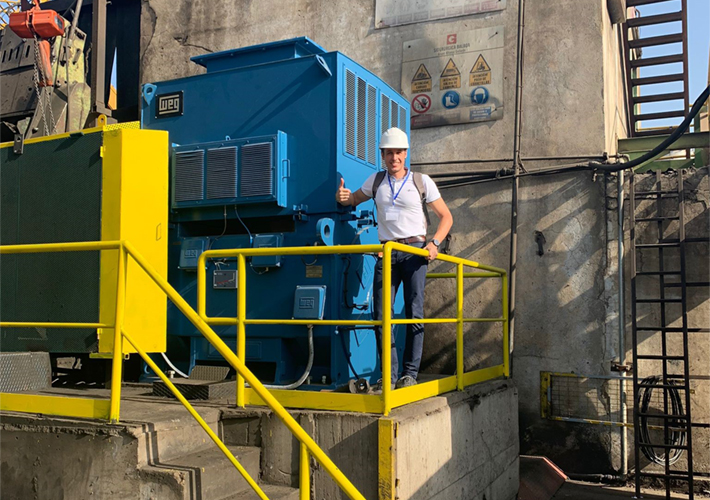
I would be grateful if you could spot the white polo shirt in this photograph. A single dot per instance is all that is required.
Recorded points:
(404, 217)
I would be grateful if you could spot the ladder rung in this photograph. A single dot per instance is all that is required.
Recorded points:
(687, 240)
(660, 116)
(664, 446)
(658, 301)
(655, 219)
(660, 357)
(636, 3)
(658, 19)
(655, 40)
(654, 132)
(652, 80)
(656, 245)
(663, 386)
(655, 61)
(688, 283)
(702, 425)
(677, 329)
(657, 273)
(663, 416)
(654, 193)
(675, 475)
(674, 96)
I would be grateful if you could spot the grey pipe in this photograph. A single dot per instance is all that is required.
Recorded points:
(512, 271)
(622, 324)
(298, 383)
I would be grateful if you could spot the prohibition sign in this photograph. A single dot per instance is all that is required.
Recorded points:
(421, 103)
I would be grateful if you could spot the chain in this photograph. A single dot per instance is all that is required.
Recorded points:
(40, 100)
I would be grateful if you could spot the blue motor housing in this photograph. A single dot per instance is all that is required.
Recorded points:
(260, 143)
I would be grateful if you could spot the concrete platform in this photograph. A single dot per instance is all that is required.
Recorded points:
(462, 445)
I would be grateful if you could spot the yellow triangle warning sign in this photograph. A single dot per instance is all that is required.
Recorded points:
(421, 74)
(450, 69)
(480, 65)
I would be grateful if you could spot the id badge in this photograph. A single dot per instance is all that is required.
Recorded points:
(392, 214)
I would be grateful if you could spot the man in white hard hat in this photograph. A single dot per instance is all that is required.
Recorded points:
(401, 212)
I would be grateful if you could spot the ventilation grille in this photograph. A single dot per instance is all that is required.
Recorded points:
(189, 175)
(350, 112)
(394, 115)
(402, 118)
(371, 125)
(361, 117)
(256, 173)
(222, 173)
(385, 119)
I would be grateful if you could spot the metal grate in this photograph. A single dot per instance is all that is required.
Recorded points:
(371, 125)
(222, 173)
(256, 172)
(394, 115)
(349, 112)
(189, 175)
(361, 117)
(402, 118)
(588, 398)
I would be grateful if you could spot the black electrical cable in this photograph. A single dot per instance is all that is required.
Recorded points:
(678, 433)
(663, 145)
(470, 178)
(347, 354)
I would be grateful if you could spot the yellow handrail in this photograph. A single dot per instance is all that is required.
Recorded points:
(385, 323)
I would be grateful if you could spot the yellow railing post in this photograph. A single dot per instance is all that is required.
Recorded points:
(506, 332)
(117, 360)
(459, 326)
(304, 474)
(386, 329)
(241, 326)
(201, 285)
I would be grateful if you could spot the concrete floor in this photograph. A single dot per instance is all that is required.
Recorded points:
(577, 490)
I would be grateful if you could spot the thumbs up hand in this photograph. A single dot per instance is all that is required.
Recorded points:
(343, 194)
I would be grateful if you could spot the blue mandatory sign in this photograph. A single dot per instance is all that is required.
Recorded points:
(479, 95)
(451, 99)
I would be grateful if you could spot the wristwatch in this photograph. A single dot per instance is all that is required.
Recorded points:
(436, 242)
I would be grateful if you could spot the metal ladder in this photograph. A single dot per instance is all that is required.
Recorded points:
(633, 52)
(676, 392)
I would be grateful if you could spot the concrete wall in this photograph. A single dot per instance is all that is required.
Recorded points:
(572, 105)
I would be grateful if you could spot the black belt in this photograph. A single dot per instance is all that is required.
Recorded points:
(406, 241)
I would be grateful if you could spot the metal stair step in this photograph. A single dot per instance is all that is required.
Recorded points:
(654, 132)
(655, 61)
(271, 491)
(212, 475)
(658, 97)
(677, 113)
(657, 19)
(654, 219)
(652, 80)
(656, 40)
(636, 3)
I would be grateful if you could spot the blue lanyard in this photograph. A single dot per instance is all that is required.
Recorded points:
(394, 196)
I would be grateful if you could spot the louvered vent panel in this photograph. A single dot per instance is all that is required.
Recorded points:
(402, 119)
(222, 173)
(361, 118)
(395, 121)
(189, 175)
(385, 117)
(256, 175)
(371, 125)
(349, 112)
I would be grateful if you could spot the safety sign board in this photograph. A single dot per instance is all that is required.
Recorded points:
(450, 77)
(421, 103)
(480, 73)
(397, 12)
(422, 80)
(453, 98)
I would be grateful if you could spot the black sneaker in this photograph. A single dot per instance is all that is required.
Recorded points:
(406, 381)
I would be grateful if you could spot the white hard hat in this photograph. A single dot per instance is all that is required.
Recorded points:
(394, 138)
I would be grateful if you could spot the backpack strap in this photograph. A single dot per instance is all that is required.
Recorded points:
(419, 183)
(379, 177)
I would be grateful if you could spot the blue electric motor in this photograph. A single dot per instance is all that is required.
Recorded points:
(259, 145)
